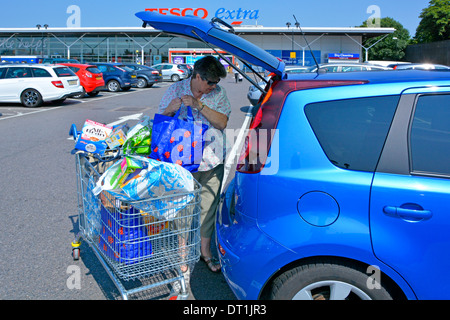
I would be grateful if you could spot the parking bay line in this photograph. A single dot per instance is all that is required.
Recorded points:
(80, 101)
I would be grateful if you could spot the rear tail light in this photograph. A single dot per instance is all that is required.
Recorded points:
(263, 126)
(182, 71)
(58, 84)
(155, 72)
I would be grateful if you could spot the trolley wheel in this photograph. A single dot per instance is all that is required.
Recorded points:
(76, 253)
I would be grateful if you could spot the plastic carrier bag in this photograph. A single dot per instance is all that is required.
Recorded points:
(136, 178)
(139, 138)
(178, 141)
(122, 237)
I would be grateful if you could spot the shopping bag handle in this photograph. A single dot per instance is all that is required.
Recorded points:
(190, 116)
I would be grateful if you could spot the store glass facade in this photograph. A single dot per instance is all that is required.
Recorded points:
(120, 47)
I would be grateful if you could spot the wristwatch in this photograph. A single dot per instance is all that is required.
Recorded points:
(203, 106)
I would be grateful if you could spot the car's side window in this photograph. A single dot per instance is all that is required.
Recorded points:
(41, 73)
(430, 135)
(2, 72)
(352, 132)
(19, 72)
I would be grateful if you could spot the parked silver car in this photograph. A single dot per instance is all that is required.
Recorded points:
(172, 71)
(350, 67)
(422, 66)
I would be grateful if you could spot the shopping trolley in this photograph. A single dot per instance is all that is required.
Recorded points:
(132, 240)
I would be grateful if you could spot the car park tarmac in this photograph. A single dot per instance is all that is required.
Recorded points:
(39, 197)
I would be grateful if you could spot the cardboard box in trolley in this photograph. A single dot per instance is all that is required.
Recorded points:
(93, 137)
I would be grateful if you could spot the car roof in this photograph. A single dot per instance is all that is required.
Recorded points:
(385, 76)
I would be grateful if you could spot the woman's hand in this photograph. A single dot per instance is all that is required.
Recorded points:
(191, 101)
(173, 107)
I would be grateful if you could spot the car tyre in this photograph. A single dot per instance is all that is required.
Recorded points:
(326, 280)
(113, 86)
(93, 94)
(142, 83)
(81, 95)
(31, 98)
(175, 78)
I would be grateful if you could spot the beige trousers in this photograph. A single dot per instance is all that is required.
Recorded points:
(211, 182)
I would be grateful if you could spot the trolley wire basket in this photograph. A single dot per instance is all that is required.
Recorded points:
(133, 240)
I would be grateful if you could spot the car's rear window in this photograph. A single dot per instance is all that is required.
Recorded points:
(64, 72)
(93, 70)
(352, 132)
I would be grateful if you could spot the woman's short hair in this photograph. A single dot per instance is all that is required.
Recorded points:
(209, 68)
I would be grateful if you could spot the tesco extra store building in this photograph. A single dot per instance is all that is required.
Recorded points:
(150, 46)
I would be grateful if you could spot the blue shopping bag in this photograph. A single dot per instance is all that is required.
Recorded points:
(178, 141)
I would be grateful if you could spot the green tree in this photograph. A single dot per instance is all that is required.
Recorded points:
(435, 23)
(393, 46)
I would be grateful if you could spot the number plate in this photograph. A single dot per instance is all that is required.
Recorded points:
(73, 82)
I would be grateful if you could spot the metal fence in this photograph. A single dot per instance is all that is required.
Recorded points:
(434, 52)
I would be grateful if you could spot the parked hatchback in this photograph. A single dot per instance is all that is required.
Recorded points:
(90, 76)
(342, 187)
(117, 76)
(33, 84)
(172, 71)
(146, 76)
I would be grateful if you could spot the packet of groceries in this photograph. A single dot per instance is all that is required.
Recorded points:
(93, 136)
(139, 138)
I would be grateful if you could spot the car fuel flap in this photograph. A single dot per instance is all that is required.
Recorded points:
(211, 33)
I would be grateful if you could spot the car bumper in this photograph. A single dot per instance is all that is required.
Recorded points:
(95, 86)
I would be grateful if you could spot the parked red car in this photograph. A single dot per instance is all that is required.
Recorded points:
(91, 78)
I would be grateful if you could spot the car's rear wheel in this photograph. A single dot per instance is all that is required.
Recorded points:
(31, 98)
(175, 78)
(113, 86)
(141, 83)
(93, 94)
(328, 281)
(81, 95)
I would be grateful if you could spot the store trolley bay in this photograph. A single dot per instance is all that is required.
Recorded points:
(136, 240)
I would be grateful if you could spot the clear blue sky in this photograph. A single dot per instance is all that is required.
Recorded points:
(311, 13)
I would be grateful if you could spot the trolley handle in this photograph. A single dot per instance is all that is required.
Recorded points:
(85, 154)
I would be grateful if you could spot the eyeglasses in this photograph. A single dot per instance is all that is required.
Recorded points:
(211, 83)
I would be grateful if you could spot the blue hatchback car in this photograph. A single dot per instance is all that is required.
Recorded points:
(342, 190)
(117, 76)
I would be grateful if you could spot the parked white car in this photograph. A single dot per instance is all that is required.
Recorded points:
(33, 84)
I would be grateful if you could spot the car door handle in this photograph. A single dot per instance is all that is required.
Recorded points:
(404, 213)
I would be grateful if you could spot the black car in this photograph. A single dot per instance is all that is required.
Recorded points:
(147, 76)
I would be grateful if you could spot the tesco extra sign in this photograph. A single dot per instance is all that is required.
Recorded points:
(222, 13)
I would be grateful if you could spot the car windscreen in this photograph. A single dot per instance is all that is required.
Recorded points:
(93, 70)
(64, 72)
